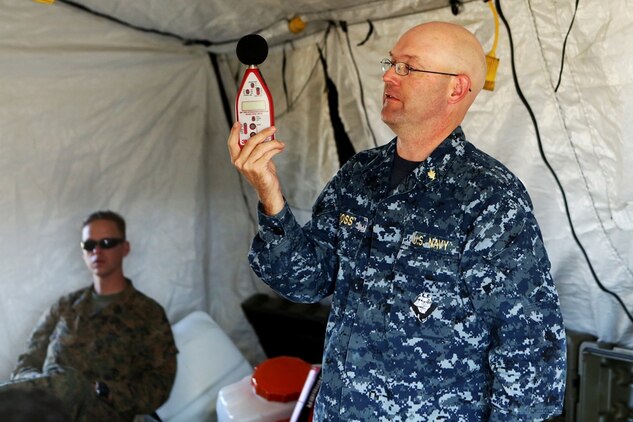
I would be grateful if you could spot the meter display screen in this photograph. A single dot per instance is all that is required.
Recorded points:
(254, 105)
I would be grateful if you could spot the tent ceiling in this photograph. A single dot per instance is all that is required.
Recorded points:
(223, 22)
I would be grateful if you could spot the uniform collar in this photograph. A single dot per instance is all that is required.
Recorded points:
(123, 295)
(429, 172)
(433, 169)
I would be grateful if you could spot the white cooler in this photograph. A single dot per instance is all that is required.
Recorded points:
(268, 395)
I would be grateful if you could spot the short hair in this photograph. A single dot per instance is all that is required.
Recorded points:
(109, 216)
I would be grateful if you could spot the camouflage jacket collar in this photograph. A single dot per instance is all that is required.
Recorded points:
(85, 298)
(429, 172)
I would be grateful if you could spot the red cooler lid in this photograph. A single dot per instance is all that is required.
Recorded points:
(280, 379)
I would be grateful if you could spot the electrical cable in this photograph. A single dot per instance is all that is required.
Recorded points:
(185, 41)
(291, 101)
(562, 60)
(223, 43)
(300, 92)
(370, 32)
(343, 26)
(455, 6)
(284, 63)
(551, 169)
(492, 62)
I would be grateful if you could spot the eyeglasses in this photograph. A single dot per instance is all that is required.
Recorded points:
(105, 243)
(403, 69)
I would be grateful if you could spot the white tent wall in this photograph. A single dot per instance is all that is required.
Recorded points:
(583, 128)
(586, 149)
(96, 115)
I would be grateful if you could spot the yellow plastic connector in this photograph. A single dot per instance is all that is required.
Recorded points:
(296, 24)
(492, 62)
(45, 1)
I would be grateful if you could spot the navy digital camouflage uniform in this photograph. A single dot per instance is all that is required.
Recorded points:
(128, 345)
(443, 306)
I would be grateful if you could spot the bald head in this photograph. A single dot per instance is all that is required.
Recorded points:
(446, 69)
(452, 48)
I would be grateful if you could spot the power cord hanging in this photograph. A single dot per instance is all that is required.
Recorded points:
(185, 41)
(292, 100)
(562, 60)
(343, 26)
(284, 64)
(551, 169)
(492, 62)
(370, 32)
(455, 6)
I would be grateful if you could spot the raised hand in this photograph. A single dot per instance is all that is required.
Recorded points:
(254, 162)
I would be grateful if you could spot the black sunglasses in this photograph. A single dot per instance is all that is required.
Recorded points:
(105, 243)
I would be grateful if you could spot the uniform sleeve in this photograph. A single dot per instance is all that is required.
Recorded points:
(507, 272)
(298, 262)
(30, 362)
(154, 373)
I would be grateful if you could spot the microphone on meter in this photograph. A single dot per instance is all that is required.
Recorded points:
(254, 104)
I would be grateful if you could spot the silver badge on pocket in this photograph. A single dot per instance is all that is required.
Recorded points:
(423, 306)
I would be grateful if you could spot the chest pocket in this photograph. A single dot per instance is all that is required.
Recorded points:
(428, 256)
(428, 297)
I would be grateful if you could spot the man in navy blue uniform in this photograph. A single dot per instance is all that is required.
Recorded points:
(443, 306)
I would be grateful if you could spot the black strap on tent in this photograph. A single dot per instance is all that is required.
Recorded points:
(551, 169)
(344, 146)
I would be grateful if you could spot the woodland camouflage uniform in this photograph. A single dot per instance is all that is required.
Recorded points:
(128, 344)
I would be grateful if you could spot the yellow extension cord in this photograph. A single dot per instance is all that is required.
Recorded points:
(492, 62)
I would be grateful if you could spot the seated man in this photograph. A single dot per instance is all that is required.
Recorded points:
(107, 350)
